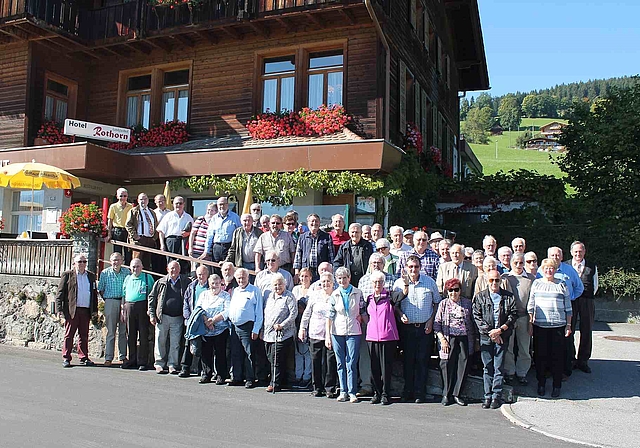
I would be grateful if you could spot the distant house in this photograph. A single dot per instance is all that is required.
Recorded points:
(496, 129)
(552, 130)
(543, 143)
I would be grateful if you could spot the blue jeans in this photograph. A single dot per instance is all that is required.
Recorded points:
(241, 352)
(492, 355)
(347, 350)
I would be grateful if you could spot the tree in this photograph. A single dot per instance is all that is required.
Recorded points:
(484, 100)
(509, 112)
(464, 108)
(478, 124)
(530, 105)
(602, 165)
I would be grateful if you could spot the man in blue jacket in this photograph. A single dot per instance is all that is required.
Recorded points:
(314, 247)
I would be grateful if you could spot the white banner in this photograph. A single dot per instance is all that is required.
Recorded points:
(96, 131)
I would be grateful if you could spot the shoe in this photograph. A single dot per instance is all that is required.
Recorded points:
(584, 367)
(522, 381)
(161, 370)
(249, 385)
(385, 401)
(173, 371)
(486, 404)
(496, 403)
(420, 400)
(541, 391)
(87, 362)
(107, 363)
(364, 392)
(555, 393)
(220, 381)
(143, 368)
(342, 398)
(204, 380)
(124, 360)
(66, 363)
(445, 401)
(270, 388)
(459, 401)
(318, 393)
(375, 399)
(184, 373)
(354, 399)
(128, 365)
(509, 379)
(332, 395)
(235, 383)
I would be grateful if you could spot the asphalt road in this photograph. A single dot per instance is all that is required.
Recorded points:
(44, 405)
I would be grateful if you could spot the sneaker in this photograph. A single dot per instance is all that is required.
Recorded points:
(173, 371)
(342, 398)
(486, 403)
(204, 380)
(107, 363)
(66, 363)
(375, 399)
(385, 401)
(249, 385)
(496, 403)
(220, 381)
(143, 368)
(354, 399)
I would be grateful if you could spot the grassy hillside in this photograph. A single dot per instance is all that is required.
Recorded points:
(511, 158)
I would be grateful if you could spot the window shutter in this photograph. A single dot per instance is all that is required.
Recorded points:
(440, 139)
(434, 124)
(423, 117)
(427, 27)
(402, 103)
(439, 55)
(448, 65)
(416, 103)
(412, 14)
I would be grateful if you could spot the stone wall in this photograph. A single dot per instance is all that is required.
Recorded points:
(624, 311)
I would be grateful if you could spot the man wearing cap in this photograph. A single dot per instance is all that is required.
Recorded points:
(434, 241)
(407, 237)
(314, 247)
(383, 247)
(397, 245)
(116, 222)
(429, 260)
(458, 268)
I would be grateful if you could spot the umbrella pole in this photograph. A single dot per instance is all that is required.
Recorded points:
(31, 217)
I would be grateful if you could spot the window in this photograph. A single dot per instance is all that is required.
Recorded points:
(59, 99)
(278, 83)
(326, 74)
(21, 210)
(139, 101)
(175, 96)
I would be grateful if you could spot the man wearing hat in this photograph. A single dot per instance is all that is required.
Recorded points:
(434, 241)
(407, 236)
(383, 247)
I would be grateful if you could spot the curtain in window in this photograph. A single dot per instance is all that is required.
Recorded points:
(269, 94)
(334, 92)
(61, 111)
(183, 105)
(168, 103)
(316, 87)
(287, 87)
(146, 110)
(48, 108)
(132, 111)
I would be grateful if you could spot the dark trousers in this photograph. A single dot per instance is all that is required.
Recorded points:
(186, 362)
(381, 355)
(549, 353)
(417, 351)
(261, 364)
(278, 353)
(145, 257)
(215, 346)
(79, 323)
(492, 355)
(584, 309)
(159, 262)
(137, 324)
(324, 370)
(121, 234)
(454, 368)
(242, 352)
(219, 254)
(175, 245)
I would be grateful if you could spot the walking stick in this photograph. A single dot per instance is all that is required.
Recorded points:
(275, 359)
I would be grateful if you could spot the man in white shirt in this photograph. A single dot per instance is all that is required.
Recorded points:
(398, 246)
(174, 229)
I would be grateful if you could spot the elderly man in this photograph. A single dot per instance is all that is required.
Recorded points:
(228, 279)
(76, 301)
(161, 206)
(110, 288)
(117, 220)
(322, 268)
(495, 313)
(141, 225)
(419, 297)
(338, 235)
(191, 297)
(566, 273)
(407, 237)
(135, 290)
(434, 241)
(166, 304)
(383, 247)
(263, 278)
(518, 245)
(429, 260)
(246, 316)
(490, 245)
(520, 282)
(174, 231)
(531, 264)
(397, 245)
(243, 243)
(354, 254)
(314, 247)
(504, 259)
(276, 240)
(377, 232)
(256, 213)
(158, 261)
(443, 250)
(291, 226)
(458, 268)
(264, 223)
(366, 232)
(220, 231)
(582, 306)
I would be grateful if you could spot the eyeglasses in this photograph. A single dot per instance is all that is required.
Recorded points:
(531, 261)
(454, 289)
(270, 260)
(274, 222)
(81, 261)
(123, 196)
(494, 280)
(420, 239)
(178, 203)
(518, 263)
(412, 266)
(382, 248)
(290, 224)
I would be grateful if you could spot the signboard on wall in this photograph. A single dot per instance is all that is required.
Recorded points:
(365, 205)
(96, 131)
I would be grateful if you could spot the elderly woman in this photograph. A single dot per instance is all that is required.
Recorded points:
(280, 311)
(215, 304)
(489, 264)
(456, 334)
(347, 311)
(382, 337)
(550, 313)
(302, 352)
(198, 236)
(477, 258)
(313, 325)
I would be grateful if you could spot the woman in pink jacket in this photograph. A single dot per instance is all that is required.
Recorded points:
(382, 337)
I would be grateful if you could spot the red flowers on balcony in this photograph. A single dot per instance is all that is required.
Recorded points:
(51, 131)
(167, 134)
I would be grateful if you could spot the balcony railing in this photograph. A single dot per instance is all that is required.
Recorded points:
(41, 258)
(62, 14)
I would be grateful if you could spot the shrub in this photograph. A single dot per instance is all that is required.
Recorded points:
(620, 284)
(41, 298)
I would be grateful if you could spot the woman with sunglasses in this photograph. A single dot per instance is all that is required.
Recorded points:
(456, 334)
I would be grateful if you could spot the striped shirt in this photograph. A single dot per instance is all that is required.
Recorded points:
(110, 283)
(550, 303)
(200, 227)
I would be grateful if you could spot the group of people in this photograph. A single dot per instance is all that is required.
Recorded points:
(294, 305)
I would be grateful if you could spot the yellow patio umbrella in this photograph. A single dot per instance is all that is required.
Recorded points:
(34, 175)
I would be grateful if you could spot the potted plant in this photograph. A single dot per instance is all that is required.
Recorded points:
(84, 225)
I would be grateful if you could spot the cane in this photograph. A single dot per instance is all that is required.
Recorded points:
(275, 359)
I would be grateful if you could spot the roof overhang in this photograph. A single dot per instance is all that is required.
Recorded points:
(468, 44)
(99, 163)
(469, 158)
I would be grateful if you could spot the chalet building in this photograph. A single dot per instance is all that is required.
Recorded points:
(216, 63)
(552, 130)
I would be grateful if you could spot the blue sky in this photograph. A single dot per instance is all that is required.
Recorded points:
(537, 44)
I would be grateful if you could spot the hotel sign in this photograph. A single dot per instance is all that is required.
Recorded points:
(96, 131)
